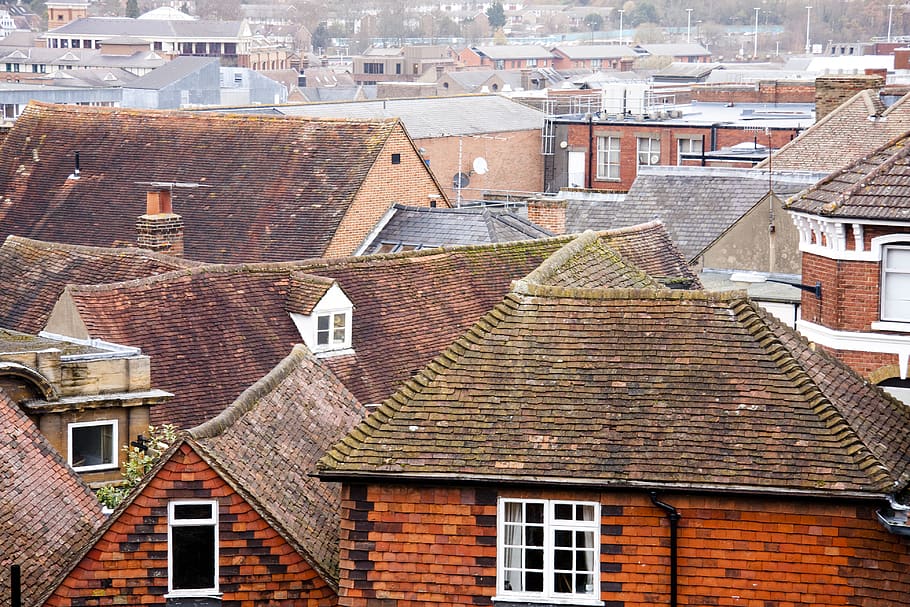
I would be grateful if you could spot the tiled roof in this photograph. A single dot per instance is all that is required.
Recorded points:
(268, 442)
(686, 200)
(853, 130)
(33, 275)
(213, 331)
(631, 387)
(46, 512)
(271, 189)
(436, 227)
(874, 187)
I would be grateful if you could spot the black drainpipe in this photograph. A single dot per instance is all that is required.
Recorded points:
(588, 177)
(673, 516)
(15, 582)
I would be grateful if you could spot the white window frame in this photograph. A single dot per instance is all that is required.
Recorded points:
(115, 445)
(891, 274)
(605, 148)
(332, 344)
(649, 143)
(172, 522)
(687, 142)
(550, 526)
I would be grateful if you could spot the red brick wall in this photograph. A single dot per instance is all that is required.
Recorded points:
(548, 214)
(669, 135)
(761, 92)
(436, 546)
(407, 183)
(128, 565)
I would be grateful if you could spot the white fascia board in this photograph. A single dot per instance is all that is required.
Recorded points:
(853, 341)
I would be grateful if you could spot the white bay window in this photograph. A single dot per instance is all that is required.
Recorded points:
(895, 290)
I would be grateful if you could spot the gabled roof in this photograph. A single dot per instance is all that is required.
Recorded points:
(214, 330)
(33, 274)
(46, 512)
(673, 50)
(855, 129)
(634, 387)
(283, 424)
(421, 227)
(874, 187)
(687, 201)
(173, 71)
(269, 188)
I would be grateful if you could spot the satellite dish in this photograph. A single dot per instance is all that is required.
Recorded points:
(460, 180)
(480, 165)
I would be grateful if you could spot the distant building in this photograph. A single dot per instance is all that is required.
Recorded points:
(63, 12)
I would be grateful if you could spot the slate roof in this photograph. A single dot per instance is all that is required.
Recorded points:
(635, 387)
(673, 50)
(596, 51)
(171, 72)
(33, 274)
(46, 512)
(688, 202)
(246, 209)
(268, 441)
(874, 187)
(434, 116)
(422, 227)
(214, 330)
(856, 128)
(151, 28)
(513, 51)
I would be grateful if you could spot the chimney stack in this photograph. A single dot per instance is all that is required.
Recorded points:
(548, 214)
(160, 229)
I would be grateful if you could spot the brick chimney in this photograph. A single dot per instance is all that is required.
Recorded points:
(526, 79)
(160, 229)
(548, 213)
(831, 91)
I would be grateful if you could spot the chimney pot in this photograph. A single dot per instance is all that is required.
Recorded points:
(158, 202)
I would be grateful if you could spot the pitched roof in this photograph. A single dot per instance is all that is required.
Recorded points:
(422, 227)
(686, 200)
(33, 274)
(873, 187)
(673, 50)
(214, 330)
(246, 208)
(434, 116)
(631, 387)
(173, 71)
(46, 512)
(513, 51)
(856, 128)
(150, 28)
(268, 442)
(596, 51)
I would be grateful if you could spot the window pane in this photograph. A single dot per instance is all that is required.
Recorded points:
(584, 583)
(534, 559)
(562, 582)
(563, 512)
(535, 513)
(92, 445)
(338, 328)
(514, 512)
(563, 538)
(534, 581)
(534, 536)
(193, 554)
(584, 513)
(193, 511)
(895, 294)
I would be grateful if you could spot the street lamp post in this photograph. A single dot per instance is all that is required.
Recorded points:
(890, 13)
(755, 45)
(689, 26)
(808, 15)
(620, 11)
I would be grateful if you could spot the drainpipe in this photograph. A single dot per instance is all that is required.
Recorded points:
(673, 516)
(589, 179)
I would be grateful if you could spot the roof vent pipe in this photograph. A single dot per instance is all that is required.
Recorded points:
(673, 516)
(15, 582)
(75, 173)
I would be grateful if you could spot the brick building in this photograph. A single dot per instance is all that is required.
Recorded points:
(854, 231)
(603, 150)
(506, 56)
(230, 516)
(257, 189)
(588, 443)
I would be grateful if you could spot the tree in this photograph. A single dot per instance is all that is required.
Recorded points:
(496, 15)
(138, 463)
(594, 21)
(132, 8)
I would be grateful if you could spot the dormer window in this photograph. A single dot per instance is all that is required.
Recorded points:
(333, 330)
(324, 326)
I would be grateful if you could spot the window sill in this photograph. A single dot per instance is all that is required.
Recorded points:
(331, 353)
(515, 601)
(891, 325)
